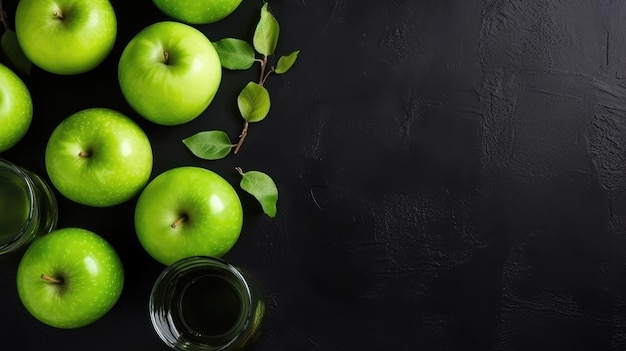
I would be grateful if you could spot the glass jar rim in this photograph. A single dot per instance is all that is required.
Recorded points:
(167, 283)
(27, 181)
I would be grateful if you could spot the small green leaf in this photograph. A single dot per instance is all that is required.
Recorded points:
(209, 145)
(14, 53)
(235, 54)
(254, 102)
(262, 187)
(285, 62)
(266, 33)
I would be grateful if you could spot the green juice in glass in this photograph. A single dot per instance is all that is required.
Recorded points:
(28, 207)
(14, 205)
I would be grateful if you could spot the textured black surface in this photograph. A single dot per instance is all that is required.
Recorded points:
(452, 176)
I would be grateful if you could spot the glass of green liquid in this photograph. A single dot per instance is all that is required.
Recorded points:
(205, 304)
(28, 207)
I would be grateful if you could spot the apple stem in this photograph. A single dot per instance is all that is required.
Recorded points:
(166, 57)
(51, 279)
(4, 19)
(242, 137)
(84, 154)
(58, 15)
(179, 221)
(239, 170)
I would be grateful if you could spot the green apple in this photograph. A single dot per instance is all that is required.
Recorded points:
(66, 36)
(16, 108)
(188, 211)
(98, 157)
(197, 11)
(69, 278)
(169, 73)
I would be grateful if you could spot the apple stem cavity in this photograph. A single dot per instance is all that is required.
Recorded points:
(179, 221)
(51, 279)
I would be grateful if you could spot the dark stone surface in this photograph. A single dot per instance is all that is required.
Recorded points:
(452, 176)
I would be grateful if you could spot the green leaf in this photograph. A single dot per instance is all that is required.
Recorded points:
(285, 62)
(254, 102)
(209, 145)
(262, 187)
(266, 33)
(14, 53)
(235, 54)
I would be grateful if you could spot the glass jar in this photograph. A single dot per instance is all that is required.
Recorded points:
(28, 208)
(205, 304)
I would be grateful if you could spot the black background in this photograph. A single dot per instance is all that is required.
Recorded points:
(451, 177)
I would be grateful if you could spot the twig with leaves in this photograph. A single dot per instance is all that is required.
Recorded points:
(254, 100)
(253, 103)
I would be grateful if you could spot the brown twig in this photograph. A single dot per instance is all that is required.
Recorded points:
(242, 137)
(263, 65)
(263, 76)
(4, 19)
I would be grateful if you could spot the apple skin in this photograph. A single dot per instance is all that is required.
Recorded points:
(74, 44)
(16, 108)
(92, 274)
(197, 11)
(210, 206)
(118, 164)
(172, 91)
